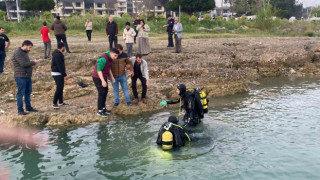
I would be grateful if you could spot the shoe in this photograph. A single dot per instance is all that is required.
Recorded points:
(106, 111)
(22, 113)
(176, 52)
(31, 109)
(63, 104)
(129, 104)
(144, 100)
(68, 51)
(55, 106)
(102, 113)
(136, 101)
(115, 105)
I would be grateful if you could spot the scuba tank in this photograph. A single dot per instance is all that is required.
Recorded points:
(204, 100)
(167, 137)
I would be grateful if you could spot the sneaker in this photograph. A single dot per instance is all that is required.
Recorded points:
(129, 104)
(106, 111)
(63, 104)
(22, 113)
(69, 52)
(102, 113)
(115, 105)
(55, 106)
(31, 109)
(136, 101)
(144, 100)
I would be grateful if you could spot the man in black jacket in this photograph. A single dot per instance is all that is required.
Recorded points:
(58, 72)
(112, 32)
(22, 75)
(136, 22)
(169, 25)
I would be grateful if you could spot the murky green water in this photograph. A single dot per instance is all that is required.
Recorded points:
(270, 133)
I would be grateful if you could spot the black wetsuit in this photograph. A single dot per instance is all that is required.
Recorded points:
(180, 135)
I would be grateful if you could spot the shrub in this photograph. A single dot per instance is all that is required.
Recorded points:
(219, 18)
(142, 16)
(161, 17)
(47, 15)
(126, 15)
(193, 19)
(184, 19)
(2, 15)
(207, 17)
(309, 33)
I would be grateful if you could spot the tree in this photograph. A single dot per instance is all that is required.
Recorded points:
(315, 11)
(37, 5)
(245, 7)
(288, 8)
(191, 6)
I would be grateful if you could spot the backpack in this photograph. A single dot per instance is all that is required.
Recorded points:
(204, 100)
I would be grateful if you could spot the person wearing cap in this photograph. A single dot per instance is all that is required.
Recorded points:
(189, 103)
(128, 36)
(179, 134)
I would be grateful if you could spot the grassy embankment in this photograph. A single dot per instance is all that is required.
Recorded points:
(30, 27)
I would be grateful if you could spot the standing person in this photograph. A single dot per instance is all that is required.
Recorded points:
(177, 29)
(140, 68)
(144, 43)
(45, 33)
(22, 75)
(112, 32)
(3, 48)
(59, 29)
(136, 22)
(58, 72)
(119, 73)
(128, 36)
(88, 26)
(102, 71)
(169, 25)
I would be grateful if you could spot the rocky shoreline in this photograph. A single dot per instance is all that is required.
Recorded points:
(221, 66)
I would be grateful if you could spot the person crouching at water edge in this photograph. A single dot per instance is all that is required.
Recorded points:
(101, 72)
(172, 135)
(191, 103)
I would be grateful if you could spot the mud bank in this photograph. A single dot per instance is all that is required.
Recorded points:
(221, 66)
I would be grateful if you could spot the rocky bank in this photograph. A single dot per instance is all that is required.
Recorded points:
(221, 66)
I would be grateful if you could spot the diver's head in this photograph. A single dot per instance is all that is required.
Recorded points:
(173, 120)
(181, 89)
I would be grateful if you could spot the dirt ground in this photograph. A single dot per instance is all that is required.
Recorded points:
(221, 66)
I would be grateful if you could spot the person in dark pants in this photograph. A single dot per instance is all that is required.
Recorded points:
(3, 48)
(59, 29)
(22, 75)
(58, 72)
(169, 25)
(45, 33)
(140, 71)
(101, 72)
(88, 26)
(136, 22)
(112, 32)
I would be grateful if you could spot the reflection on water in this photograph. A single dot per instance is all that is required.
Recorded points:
(271, 132)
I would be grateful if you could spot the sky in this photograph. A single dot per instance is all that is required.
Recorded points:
(306, 3)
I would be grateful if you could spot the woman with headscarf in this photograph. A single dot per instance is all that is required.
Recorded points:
(144, 47)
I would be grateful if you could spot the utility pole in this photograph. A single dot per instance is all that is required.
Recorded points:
(221, 8)
(18, 11)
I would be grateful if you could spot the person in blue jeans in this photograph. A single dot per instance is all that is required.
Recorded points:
(118, 69)
(3, 48)
(22, 75)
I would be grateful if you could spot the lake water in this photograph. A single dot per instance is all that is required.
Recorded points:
(272, 132)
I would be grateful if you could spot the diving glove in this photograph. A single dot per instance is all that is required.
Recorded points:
(163, 103)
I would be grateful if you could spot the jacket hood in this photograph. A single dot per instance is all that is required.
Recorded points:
(57, 21)
(173, 120)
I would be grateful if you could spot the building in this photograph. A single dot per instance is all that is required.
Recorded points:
(67, 7)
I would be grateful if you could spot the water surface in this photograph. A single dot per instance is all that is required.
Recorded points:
(272, 132)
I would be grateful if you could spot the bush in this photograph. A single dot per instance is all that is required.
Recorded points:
(207, 17)
(161, 17)
(309, 33)
(47, 15)
(265, 20)
(2, 15)
(142, 16)
(184, 19)
(219, 18)
(193, 19)
(126, 15)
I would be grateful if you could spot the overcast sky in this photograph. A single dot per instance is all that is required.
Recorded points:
(306, 3)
